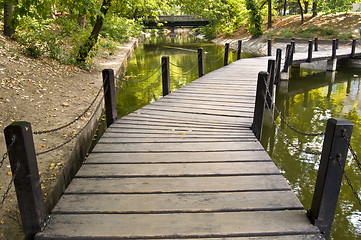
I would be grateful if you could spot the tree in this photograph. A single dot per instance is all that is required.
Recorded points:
(255, 18)
(301, 11)
(9, 30)
(93, 38)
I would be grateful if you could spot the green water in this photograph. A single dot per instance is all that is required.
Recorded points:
(311, 99)
(146, 60)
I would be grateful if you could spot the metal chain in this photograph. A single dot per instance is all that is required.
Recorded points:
(7, 151)
(188, 64)
(217, 59)
(72, 122)
(287, 140)
(349, 182)
(143, 80)
(285, 122)
(152, 84)
(217, 55)
(185, 73)
(10, 185)
(75, 136)
(352, 151)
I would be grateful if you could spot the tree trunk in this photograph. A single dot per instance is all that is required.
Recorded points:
(301, 11)
(314, 8)
(269, 25)
(284, 8)
(8, 12)
(306, 6)
(93, 38)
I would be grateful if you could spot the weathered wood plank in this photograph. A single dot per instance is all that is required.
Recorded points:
(180, 202)
(178, 185)
(235, 156)
(178, 169)
(182, 225)
(184, 147)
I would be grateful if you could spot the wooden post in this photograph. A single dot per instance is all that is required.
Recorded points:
(310, 47)
(293, 50)
(25, 171)
(226, 54)
(271, 72)
(200, 62)
(353, 48)
(259, 106)
(337, 39)
(110, 97)
(239, 50)
(165, 75)
(269, 47)
(316, 44)
(294, 41)
(278, 66)
(333, 49)
(287, 58)
(330, 173)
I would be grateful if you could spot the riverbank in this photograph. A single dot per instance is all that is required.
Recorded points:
(48, 95)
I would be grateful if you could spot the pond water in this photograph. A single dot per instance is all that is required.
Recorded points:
(146, 61)
(311, 99)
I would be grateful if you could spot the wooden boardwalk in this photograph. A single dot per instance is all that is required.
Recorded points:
(186, 166)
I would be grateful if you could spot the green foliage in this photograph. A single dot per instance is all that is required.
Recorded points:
(286, 33)
(120, 29)
(255, 18)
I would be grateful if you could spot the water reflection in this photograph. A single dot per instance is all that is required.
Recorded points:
(146, 60)
(307, 102)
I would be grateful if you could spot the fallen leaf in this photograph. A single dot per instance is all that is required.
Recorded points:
(182, 133)
(41, 145)
(65, 104)
(52, 166)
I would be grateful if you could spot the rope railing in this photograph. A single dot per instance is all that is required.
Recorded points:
(284, 120)
(142, 80)
(149, 86)
(185, 73)
(214, 61)
(74, 136)
(6, 194)
(73, 121)
(186, 65)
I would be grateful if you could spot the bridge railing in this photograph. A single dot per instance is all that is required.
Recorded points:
(23, 156)
(337, 142)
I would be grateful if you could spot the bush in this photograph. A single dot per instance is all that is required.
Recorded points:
(120, 29)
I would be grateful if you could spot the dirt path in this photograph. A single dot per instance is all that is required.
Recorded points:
(48, 95)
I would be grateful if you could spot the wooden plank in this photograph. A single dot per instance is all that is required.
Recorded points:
(184, 147)
(180, 225)
(178, 169)
(225, 107)
(176, 157)
(126, 124)
(182, 139)
(178, 203)
(178, 185)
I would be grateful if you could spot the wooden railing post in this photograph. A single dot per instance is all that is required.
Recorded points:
(269, 47)
(287, 58)
(337, 39)
(271, 72)
(259, 105)
(25, 172)
(239, 50)
(310, 48)
(330, 173)
(110, 97)
(226, 54)
(316, 44)
(333, 49)
(278, 66)
(353, 48)
(200, 62)
(293, 50)
(165, 75)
